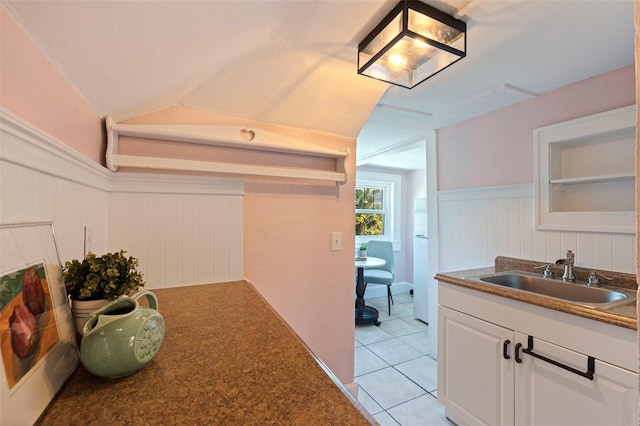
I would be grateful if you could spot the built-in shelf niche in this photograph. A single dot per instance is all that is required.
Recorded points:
(585, 173)
(235, 137)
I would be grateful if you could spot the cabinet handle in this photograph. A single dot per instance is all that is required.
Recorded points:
(518, 347)
(505, 349)
(591, 361)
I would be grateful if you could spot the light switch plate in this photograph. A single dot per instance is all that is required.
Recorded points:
(336, 241)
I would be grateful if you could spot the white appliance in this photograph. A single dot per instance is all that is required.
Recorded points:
(420, 261)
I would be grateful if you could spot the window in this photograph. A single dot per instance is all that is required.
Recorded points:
(371, 210)
(377, 206)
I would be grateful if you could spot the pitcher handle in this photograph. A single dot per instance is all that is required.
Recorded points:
(153, 300)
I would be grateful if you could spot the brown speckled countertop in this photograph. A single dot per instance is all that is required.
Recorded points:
(623, 316)
(227, 359)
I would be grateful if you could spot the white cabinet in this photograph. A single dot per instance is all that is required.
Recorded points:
(475, 383)
(499, 372)
(546, 394)
(585, 173)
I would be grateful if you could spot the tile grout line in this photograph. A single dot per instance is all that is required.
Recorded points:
(416, 383)
(389, 365)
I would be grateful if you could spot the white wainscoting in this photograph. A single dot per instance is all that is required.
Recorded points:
(185, 230)
(41, 179)
(189, 235)
(476, 225)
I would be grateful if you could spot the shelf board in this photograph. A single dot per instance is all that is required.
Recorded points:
(227, 136)
(222, 136)
(228, 168)
(592, 179)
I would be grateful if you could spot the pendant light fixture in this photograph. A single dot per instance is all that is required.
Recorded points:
(413, 42)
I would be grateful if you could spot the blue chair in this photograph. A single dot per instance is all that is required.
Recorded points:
(384, 274)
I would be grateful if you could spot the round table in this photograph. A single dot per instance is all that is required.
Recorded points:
(365, 314)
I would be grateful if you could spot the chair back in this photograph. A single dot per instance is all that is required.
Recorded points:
(383, 250)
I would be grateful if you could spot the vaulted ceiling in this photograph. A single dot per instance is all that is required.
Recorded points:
(293, 62)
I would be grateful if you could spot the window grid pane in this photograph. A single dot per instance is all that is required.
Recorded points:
(369, 224)
(370, 210)
(370, 198)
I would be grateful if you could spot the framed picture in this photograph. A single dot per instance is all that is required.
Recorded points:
(37, 339)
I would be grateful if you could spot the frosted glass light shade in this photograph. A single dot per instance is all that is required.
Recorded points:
(412, 43)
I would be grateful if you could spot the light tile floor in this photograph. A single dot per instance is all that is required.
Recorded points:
(397, 380)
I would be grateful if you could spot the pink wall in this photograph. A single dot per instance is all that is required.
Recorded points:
(286, 240)
(287, 225)
(497, 148)
(32, 88)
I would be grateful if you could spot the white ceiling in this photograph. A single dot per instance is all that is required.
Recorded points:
(293, 62)
(514, 49)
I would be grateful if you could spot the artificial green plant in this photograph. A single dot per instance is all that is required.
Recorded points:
(102, 277)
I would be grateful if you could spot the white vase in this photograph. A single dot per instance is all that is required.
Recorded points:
(363, 254)
(80, 309)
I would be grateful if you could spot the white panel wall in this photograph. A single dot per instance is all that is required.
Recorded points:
(477, 225)
(180, 239)
(43, 180)
(184, 230)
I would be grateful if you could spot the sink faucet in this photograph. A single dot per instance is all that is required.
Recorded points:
(548, 270)
(569, 258)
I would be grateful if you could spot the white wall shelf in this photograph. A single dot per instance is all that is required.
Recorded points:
(585, 173)
(235, 137)
(596, 178)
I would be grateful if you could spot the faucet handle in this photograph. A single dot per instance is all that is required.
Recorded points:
(548, 270)
(593, 279)
(570, 256)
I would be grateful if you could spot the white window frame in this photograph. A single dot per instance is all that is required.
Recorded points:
(391, 184)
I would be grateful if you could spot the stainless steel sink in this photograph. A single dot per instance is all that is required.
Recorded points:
(601, 298)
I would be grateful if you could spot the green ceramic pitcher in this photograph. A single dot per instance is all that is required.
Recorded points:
(122, 337)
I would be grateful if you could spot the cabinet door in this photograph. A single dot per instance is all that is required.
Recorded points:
(550, 395)
(475, 380)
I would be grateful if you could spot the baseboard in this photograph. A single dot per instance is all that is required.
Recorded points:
(380, 290)
(352, 388)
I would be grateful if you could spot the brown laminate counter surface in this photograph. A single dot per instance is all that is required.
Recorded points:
(227, 358)
(624, 316)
